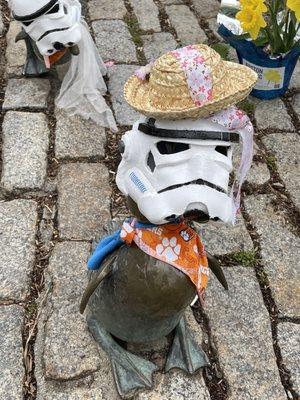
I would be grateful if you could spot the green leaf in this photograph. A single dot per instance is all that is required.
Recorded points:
(222, 49)
(262, 39)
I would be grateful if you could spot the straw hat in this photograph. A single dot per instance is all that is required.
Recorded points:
(165, 93)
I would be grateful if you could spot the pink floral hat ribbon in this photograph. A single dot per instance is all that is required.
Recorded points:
(236, 120)
(198, 75)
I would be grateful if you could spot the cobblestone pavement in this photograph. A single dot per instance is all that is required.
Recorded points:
(56, 193)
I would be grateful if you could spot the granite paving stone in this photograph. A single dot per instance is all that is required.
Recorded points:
(1, 23)
(146, 12)
(296, 103)
(258, 174)
(171, 2)
(286, 148)
(295, 81)
(220, 239)
(272, 114)
(15, 52)
(96, 386)
(25, 145)
(78, 137)
(83, 200)
(241, 333)
(11, 352)
(18, 219)
(187, 32)
(213, 26)
(80, 369)
(114, 41)
(288, 335)
(25, 92)
(280, 250)
(106, 9)
(157, 44)
(68, 277)
(206, 8)
(118, 75)
(176, 385)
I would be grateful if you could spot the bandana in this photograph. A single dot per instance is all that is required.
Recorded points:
(176, 244)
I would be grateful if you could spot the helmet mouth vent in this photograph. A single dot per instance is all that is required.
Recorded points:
(201, 182)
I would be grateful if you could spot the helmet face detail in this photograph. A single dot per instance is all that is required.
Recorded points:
(52, 25)
(169, 176)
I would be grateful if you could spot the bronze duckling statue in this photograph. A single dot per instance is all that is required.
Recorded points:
(137, 298)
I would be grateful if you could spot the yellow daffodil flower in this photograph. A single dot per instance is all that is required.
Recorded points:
(294, 5)
(256, 5)
(273, 76)
(251, 21)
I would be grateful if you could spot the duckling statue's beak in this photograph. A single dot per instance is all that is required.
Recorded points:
(54, 58)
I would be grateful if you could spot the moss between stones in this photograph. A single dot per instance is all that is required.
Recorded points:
(247, 106)
(271, 162)
(134, 29)
(246, 258)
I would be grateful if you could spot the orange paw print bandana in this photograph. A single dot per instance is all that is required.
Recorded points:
(176, 244)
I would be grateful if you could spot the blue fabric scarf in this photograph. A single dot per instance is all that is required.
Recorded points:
(110, 243)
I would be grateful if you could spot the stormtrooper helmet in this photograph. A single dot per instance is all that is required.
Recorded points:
(170, 168)
(53, 25)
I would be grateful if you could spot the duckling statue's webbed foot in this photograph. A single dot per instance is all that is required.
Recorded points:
(130, 371)
(185, 353)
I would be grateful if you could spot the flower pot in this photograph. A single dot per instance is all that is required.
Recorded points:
(274, 73)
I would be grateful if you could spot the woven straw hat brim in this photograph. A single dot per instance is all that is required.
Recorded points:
(238, 81)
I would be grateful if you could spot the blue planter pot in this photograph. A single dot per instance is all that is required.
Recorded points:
(274, 74)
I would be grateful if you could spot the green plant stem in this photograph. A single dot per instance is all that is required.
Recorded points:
(287, 18)
(277, 44)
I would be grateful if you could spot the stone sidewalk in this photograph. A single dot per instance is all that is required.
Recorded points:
(56, 193)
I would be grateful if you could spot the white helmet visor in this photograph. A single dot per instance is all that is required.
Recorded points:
(54, 26)
(168, 176)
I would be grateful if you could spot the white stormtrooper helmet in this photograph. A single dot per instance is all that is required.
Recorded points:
(52, 25)
(171, 167)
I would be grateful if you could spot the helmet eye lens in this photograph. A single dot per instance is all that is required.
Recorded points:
(222, 150)
(151, 161)
(54, 9)
(27, 23)
(171, 147)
